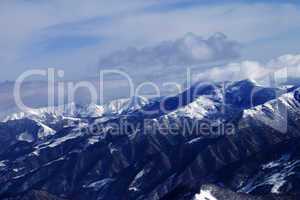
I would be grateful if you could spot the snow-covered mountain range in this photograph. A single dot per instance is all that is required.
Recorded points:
(76, 152)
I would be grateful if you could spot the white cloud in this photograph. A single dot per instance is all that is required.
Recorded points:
(288, 60)
(185, 51)
(234, 71)
(280, 68)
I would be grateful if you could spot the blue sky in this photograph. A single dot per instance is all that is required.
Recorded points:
(76, 36)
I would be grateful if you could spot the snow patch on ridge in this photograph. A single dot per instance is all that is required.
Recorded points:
(204, 195)
(2, 163)
(198, 109)
(45, 131)
(25, 137)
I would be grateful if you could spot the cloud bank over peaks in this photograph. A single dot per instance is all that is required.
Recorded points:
(190, 49)
(281, 68)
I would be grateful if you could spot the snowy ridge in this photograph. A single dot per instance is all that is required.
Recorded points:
(45, 131)
(42, 133)
(74, 111)
(120, 106)
(58, 113)
(277, 174)
(204, 195)
(198, 109)
(274, 113)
